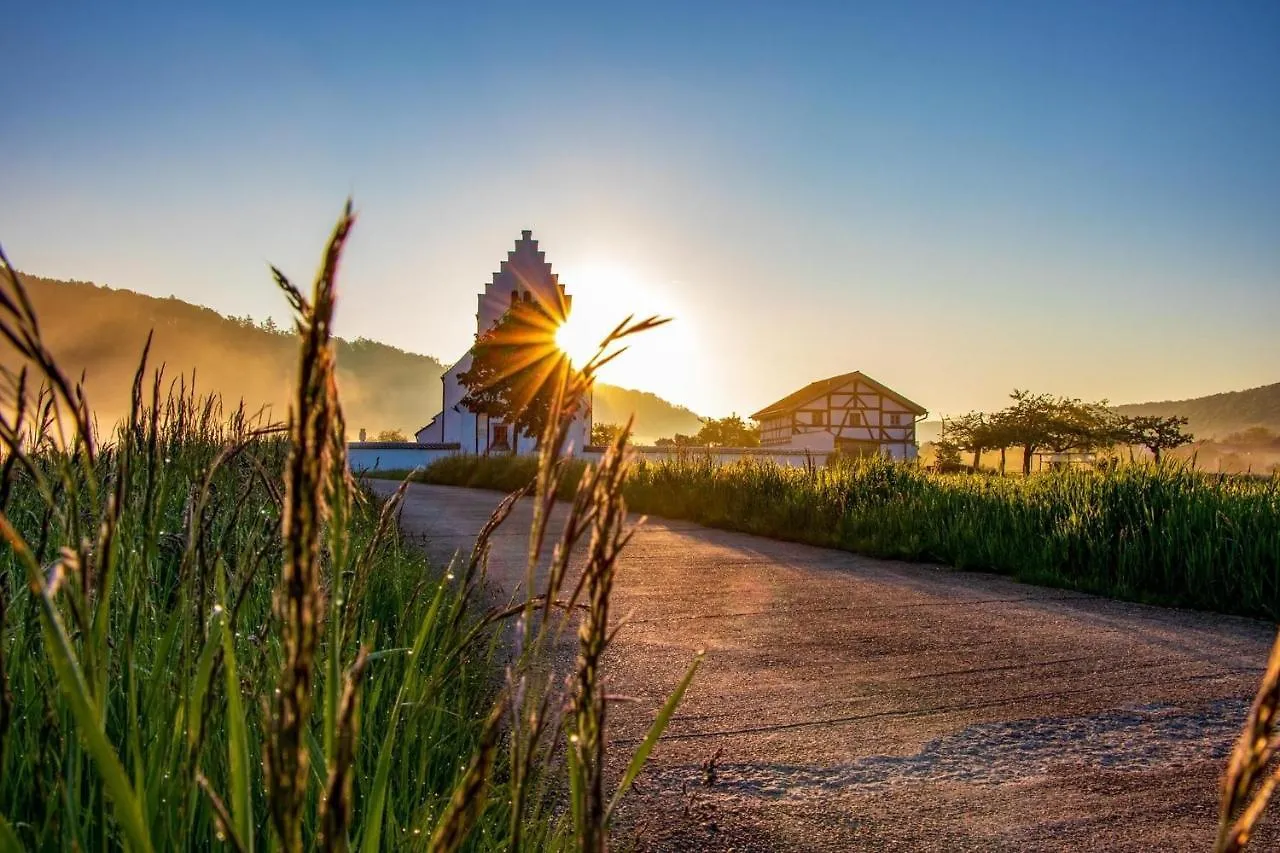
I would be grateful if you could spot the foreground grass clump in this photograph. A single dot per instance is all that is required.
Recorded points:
(201, 615)
(210, 638)
(180, 667)
(1163, 534)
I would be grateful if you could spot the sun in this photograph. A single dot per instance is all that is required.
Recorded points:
(578, 340)
(605, 292)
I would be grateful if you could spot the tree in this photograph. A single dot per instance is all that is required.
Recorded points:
(1040, 421)
(973, 433)
(732, 431)
(946, 455)
(391, 435)
(517, 370)
(1154, 433)
(1256, 436)
(602, 434)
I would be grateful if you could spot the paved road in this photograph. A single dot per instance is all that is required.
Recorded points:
(859, 704)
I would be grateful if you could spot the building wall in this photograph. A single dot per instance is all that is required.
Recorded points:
(526, 276)
(792, 457)
(394, 455)
(853, 412)
(406, 456)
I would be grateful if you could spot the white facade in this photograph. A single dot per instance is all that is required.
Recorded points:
(851, 414)
(406, 456)
(525, 275)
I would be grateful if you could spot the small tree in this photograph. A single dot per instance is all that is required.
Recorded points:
(516, 369)
(946, 455)
(1154, 433)
(1040, 421)
(974, 433)
(602, 434)
(732, 431)
(391, 435)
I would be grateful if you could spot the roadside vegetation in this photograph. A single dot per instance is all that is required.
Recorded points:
(1161, 534)
(210, 638)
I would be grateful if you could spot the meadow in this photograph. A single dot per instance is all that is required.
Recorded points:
(212, 638)
(1158, 534)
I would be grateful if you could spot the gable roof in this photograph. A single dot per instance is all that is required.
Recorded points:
(822, 387)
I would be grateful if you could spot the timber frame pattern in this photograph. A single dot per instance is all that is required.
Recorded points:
(861, 414)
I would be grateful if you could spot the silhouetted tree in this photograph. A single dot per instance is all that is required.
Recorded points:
(516, 370)
(946, 455)
(732, 431)
(602, 434)
(1154, 433)
(391, 435)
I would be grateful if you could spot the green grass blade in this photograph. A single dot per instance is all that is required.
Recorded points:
(660, 722)
(238, 767)
(9, 842)
(377, 802)
(125, 804)
(204, 674)
(70, 678)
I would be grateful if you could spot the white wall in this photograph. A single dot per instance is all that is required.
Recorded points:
(721, 455)
(393, 456)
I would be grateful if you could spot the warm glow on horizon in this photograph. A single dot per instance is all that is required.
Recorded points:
(604, 294)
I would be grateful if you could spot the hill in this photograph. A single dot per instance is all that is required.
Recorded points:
(1219, 415)
(655, 417)
(100, 331)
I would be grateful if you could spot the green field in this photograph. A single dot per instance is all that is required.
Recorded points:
(212, 638)
(1164, 535)
(170, 619)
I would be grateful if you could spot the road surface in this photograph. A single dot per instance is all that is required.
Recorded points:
(858, 704)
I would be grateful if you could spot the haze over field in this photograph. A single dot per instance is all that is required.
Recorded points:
(957, 199)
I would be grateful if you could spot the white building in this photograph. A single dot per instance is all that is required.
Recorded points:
(524, 275)
(851, 414)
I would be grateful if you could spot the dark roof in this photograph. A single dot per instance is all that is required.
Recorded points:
(822, 387)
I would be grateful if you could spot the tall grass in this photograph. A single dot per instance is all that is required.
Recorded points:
(209, 637)
(1163, 534)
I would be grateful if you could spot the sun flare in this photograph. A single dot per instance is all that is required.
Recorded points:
(579, 340)
(605, 292)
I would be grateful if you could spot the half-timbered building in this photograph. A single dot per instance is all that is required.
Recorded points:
(851, 414)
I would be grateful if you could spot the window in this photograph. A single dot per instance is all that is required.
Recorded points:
(854, 419)
(818, 418)
(500, 438)
(895, 420)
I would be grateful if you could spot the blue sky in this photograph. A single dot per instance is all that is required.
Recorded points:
(957, 198)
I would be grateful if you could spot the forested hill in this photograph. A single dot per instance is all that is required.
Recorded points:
(1220, 414)
(101, 331)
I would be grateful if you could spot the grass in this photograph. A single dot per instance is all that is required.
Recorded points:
(1166, 535)
(211, 638)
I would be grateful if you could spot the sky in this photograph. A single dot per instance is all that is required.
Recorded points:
(958, 199)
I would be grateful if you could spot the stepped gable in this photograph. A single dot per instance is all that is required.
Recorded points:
(525, 274)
